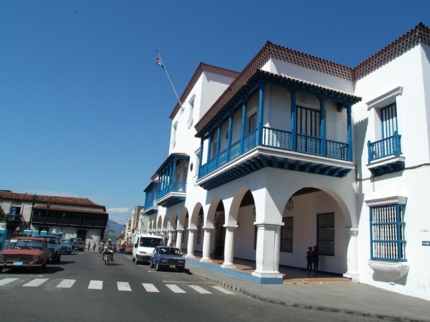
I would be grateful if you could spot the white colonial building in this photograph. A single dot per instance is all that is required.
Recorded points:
(296, 151)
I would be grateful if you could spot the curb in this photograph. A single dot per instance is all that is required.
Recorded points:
(310, 307)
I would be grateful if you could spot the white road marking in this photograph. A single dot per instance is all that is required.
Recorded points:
(7, 281)
(66, 283)
(36, 282)
(123, 286)
(200, 289)
(150, 288)
(175, 288)
(223, 290)
(95, 285)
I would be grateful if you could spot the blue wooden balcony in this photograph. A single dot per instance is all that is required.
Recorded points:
(165, 190)
(278, 140)
(385, 148)
(150, 206)
(172, 194)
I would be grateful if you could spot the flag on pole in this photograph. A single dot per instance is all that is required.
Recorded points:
(158, 62)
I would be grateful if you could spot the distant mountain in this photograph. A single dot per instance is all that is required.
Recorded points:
(115, 228)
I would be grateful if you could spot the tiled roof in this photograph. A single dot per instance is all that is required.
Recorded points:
(72, 209)
(420, 34)
(58, 200)
(200, 69)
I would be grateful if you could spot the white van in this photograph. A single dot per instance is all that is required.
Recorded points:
(143, 247)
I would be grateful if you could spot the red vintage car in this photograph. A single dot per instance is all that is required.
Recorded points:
(29, 252)
(128, 248)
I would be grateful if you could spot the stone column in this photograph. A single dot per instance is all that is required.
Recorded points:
(352, 255)
(179, 239)
(268, 245)
(206, 257)
(190, 244)
(229, 247)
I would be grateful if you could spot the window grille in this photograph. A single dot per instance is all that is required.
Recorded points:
(325, 234)
(287, 235)
(308, 121)
(388, 233)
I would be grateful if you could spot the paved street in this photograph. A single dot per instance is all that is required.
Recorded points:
(82, 288)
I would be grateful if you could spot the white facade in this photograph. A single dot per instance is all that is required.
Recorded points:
(292, 127)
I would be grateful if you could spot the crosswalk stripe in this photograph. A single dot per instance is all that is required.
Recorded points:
(95, 285)
(175, 288)
(223, 290)
(123, 286)
(200, 289)
(150, 288)
(66, 283)
(36, 282)
(7, 281)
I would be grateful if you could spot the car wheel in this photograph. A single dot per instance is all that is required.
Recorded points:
(59, 258)
(54, 259)
(133, 259)
(39, 269)
(157, 266)
(44, 265)
(69, 253)
(1, 269)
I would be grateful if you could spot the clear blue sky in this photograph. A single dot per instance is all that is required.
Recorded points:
(85, 109)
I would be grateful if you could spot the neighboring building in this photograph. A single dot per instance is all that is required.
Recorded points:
(74, 217)
(296, 151)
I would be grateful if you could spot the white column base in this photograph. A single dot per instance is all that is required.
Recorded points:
(273, 274)
(354, 276)
(206, 260)
(190, 256)
(228, 266)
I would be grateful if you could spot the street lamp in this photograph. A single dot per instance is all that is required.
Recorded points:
(33, 201)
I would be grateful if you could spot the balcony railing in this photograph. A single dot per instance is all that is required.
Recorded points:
(390, 146)
(278, 139)
(173, 187)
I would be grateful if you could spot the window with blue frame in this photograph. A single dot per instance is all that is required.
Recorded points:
(287, 235)
(389, 120)
(325, 234)
(308, 130)
(387, 229)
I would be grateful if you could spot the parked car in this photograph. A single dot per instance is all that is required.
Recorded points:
(66, 246)
(30, 252)
(54, 247)
(167, 257)
(128, 248)
(79, 245)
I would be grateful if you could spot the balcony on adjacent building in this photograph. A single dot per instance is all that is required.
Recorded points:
(150, 206)
(303, 144)
(171, 186)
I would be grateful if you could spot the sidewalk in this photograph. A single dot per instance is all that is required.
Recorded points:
(325, 292)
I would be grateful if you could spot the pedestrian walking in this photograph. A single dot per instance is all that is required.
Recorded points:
(94, 246)
(309, 259)
(315, 258)
(89, 245)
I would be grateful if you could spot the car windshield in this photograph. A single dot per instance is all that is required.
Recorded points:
(65, 241)
(170, 251)
(150, 242)
(24, 244)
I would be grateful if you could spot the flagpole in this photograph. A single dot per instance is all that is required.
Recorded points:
(168, 77)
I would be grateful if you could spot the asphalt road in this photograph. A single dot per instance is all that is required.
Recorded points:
(82, 288)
